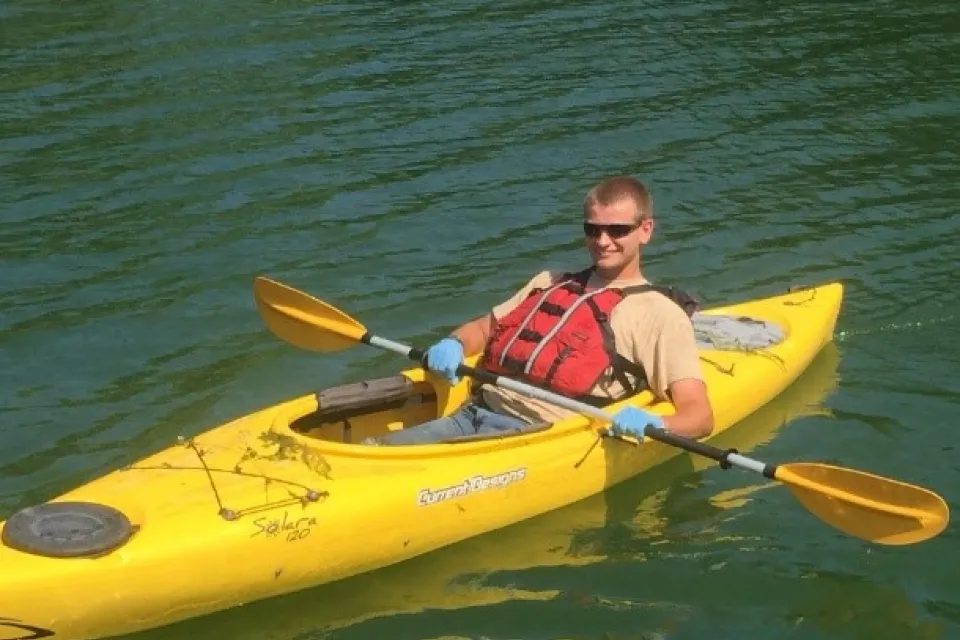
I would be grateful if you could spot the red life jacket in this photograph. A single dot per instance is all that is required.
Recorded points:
(560, 338)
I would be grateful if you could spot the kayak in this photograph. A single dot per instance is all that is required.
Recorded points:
(288, 497)
(508, 565)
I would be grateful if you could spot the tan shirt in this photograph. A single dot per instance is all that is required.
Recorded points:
(648, 328)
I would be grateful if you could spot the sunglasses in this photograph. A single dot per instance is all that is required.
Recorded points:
(615, 231)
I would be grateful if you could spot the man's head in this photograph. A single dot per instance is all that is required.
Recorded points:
(617, 223)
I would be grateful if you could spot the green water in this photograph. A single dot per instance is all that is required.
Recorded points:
(416, 162)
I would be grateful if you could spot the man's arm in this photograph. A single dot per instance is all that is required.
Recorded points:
(474, 334)
(694, 415)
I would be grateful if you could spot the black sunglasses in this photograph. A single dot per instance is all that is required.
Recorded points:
(615, 231)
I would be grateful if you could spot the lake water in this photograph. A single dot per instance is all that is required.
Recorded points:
(415, 163)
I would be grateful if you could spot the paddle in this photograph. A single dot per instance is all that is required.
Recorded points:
(861, 504)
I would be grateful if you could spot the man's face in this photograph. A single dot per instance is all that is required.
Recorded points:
(613, 234)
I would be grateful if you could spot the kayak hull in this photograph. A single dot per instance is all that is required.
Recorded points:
(284, 499)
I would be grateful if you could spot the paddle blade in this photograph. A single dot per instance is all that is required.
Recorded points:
(304, 321)
(861, 504)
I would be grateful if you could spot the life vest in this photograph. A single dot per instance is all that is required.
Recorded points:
(560, 338)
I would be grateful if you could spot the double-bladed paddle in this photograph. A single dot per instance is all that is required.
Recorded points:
(861, 504)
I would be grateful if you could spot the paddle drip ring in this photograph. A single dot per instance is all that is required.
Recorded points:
(724, 459)
(67, 529)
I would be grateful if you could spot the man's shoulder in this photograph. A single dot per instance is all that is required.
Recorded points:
(542, 280)
(548, 278)
(654, 307)
(539, 280)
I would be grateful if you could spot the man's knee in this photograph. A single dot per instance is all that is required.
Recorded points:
(455, 425)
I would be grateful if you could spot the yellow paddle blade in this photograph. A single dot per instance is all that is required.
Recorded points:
(871, 507)
(304, 321)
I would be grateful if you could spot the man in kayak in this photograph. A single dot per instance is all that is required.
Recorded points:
(597, 336)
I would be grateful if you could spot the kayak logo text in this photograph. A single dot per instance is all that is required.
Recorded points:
(292, 529)
(35, 632)
(426, 497)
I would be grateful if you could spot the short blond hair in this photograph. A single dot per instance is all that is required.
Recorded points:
(619, 188)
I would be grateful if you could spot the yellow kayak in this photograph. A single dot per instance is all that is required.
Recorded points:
(286, 498)
(471, 574)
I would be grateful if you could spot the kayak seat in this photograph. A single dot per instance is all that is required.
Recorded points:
(345, 404)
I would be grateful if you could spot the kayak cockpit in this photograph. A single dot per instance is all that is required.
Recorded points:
(351, 412)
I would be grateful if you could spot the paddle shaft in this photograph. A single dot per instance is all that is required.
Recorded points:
(725, 458)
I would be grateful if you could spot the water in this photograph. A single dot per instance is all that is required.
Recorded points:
(414, 164)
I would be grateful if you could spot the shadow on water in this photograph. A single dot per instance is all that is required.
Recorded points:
(621, 525)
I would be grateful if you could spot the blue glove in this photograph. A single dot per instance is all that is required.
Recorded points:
(631, 421)
(444, 357)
